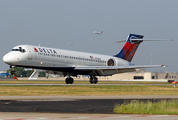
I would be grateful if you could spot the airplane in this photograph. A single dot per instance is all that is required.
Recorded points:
(73, 63)
(95, 32)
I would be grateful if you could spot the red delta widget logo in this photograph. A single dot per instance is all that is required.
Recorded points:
(44, 50)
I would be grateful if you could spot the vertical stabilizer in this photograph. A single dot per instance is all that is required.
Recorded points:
(130, 47)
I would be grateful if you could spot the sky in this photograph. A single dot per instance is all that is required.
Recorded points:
(56, 23)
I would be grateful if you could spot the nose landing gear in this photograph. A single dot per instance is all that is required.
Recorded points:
(13, 73)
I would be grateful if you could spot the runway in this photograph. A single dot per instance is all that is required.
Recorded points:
(82, 84)
(59, 116)
(73, 107)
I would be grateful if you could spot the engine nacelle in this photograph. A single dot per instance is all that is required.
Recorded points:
(117, 62)
(111, 62)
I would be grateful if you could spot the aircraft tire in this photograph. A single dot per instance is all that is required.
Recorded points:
(69, 80)
(95, 80)
(91, 80)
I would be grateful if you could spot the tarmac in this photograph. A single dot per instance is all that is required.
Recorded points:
(63, 98)
(74, 107)
(59, 116)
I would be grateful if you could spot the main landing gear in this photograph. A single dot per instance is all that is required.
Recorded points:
(93, 80)
(69, 80)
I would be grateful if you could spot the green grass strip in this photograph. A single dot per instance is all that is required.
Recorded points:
(162, 107)
(86, 90)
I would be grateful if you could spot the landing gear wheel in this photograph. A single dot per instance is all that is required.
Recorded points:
(69, 80)
(13, 74)
(93, 80)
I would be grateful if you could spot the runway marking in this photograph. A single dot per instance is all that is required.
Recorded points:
(109, 117)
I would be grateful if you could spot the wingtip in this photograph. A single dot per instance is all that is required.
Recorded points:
(164, 65)
(121, 41)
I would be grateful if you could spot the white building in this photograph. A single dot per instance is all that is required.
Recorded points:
(144, 76)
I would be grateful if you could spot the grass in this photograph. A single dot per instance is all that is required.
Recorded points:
(135, 107)
(87, 90)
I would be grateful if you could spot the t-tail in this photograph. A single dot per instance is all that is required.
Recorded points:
(130, 47)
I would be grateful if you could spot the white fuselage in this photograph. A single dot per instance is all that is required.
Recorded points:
(55, 59)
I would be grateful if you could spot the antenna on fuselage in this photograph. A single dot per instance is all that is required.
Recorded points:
(39, 44)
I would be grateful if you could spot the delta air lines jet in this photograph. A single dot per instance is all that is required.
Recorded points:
(73, 63)
(96, 32)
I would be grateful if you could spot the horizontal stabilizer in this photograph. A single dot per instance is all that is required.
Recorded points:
(133, 40)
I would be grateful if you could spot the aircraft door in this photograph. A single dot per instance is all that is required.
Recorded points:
(30, 55)
(81, 60)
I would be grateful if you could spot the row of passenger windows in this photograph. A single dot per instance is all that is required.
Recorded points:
(72, 57)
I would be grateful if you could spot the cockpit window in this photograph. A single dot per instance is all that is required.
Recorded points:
(23, 50)
(20, 49)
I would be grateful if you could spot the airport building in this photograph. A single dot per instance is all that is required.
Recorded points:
(144, 76)
(4, 74)
(136, 76)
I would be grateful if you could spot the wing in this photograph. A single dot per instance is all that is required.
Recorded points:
(115, 67)
(110, 70)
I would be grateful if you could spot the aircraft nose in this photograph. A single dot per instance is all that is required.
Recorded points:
(7, 59)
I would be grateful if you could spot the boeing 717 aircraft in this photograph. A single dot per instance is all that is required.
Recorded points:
(73, 63)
